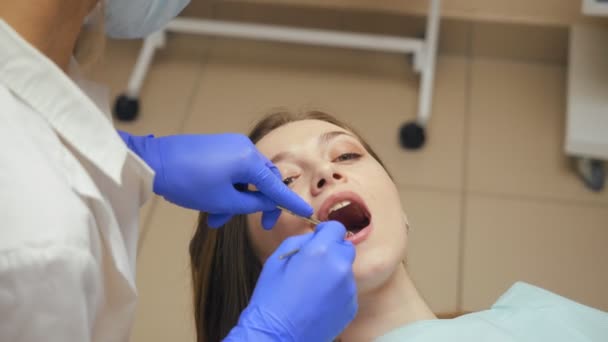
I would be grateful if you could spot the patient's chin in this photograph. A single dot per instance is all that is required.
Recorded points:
(373, 269)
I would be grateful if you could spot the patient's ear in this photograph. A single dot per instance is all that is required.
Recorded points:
(406, 223)
(406, 226)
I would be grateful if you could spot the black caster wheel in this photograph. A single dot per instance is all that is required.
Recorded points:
(126, 108)
(592, 172)
(412, 136)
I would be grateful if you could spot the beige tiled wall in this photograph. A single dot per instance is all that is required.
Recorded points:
(537, 12)
(560, 246)
(492, 198)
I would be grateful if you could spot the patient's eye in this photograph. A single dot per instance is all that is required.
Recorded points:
(347, 157)
(289, 180)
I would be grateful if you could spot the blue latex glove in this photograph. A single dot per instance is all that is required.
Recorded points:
(200, 172)
(311, 296)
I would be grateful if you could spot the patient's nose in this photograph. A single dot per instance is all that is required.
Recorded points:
(325, 178)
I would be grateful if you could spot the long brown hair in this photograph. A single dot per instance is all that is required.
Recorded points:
(224, 266)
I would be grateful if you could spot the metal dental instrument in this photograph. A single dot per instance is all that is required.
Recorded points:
(307, 219)
(288, 254)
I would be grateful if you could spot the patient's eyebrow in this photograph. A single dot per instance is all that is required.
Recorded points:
(281, 156)
(324, 138)
(328, 136)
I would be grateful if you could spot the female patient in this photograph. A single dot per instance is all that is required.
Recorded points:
(332, 168)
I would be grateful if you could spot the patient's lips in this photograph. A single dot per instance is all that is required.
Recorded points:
(348, 208)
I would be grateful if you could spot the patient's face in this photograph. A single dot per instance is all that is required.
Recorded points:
(328, 167)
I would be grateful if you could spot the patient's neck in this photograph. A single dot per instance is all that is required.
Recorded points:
(393, 305)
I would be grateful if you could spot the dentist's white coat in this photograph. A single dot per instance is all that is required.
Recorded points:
(70, 192)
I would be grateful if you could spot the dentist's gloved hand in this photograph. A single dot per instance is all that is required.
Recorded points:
(200, 172)
(311, 296)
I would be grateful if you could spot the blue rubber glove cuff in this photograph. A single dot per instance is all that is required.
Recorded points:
(147, 150)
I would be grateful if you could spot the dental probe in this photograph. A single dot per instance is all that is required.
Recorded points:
(307, 219)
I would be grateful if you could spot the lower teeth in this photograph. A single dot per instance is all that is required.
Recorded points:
(349, 234)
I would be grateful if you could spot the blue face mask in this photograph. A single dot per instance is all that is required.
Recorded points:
(139, 18)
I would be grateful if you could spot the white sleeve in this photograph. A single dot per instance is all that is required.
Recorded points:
(48, 293)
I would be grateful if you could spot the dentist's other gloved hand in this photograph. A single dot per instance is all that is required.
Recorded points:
(311, 296)
(200, 172)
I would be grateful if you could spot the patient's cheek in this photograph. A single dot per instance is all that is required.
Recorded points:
(289, 225)
(265, 242)
(254, 221)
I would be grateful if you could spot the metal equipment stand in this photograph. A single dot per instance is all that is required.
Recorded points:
(412, 134)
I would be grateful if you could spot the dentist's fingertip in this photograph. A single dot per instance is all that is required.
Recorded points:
(217, 220)
(301, 207)
(331, 230)
(270, 218)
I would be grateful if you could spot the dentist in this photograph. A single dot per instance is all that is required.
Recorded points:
(71, 187)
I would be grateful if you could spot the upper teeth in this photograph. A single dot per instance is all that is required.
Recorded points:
(339, 205)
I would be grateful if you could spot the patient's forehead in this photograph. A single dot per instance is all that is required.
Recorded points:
(294, 135)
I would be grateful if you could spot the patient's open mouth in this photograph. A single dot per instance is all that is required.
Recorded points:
(351, 214)
(349, 209)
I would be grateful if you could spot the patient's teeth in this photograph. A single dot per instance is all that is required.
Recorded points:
(339, 205)
(349, 234)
